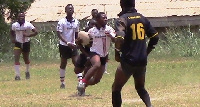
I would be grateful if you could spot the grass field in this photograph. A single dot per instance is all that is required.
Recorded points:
(170, 82)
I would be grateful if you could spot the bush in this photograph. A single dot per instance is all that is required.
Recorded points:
(179, 42)
(44, 46)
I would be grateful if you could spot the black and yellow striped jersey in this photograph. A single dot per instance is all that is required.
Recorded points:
(134, 27)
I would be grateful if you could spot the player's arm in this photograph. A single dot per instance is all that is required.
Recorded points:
(82, 49)
(111, 34)
(86, 17)
(12, 33)
(119, 38)
(153, 36)
(33, 33)
(120, 26)
(13, 36)
(59, 32)
(152, 42)
(80, 46)
(76, 35)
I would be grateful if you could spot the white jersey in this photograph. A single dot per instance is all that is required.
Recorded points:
(26, 27)
(68, 30)
(101, 42)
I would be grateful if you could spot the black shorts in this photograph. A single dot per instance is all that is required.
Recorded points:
(102, 59)
(66, 52)
(81, 61)
(136, 71)
(25, 47)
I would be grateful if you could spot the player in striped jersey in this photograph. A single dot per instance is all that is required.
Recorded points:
(67, 31)
(21, 32)
(102, 36)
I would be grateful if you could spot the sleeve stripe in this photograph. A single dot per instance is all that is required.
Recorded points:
(119, 37)
(154, 35)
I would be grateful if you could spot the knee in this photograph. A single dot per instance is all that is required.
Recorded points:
(96, 65)
(141, 91)
(78, 70)
(96, 81)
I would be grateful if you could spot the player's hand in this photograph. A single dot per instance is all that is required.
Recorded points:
(71, 45)
(88, 63)
(149, 49)
(118, 43)
(108, 34)
(79, 41)
(25, 34)
(117, 56)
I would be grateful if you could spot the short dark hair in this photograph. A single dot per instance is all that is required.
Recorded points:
(127, 3)
(68, 5)
(94, 10)
(99, 14)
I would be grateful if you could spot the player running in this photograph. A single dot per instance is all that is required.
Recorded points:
(102, 35)
(83, 61)
(67, 31)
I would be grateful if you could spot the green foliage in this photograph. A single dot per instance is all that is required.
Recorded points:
(44, 46)
(179, 42)
(14, 7)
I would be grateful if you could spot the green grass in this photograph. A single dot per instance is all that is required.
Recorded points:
(171, 83)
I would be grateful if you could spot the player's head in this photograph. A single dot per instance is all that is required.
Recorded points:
(94, 13)
(69, 9)
(127, 5)
(21, 17)
(92, 23)
(101, 19)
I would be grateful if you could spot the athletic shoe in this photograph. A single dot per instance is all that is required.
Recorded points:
(81, 89)
(27, 75)
(62, 86)
(81, 93)
(17, 78)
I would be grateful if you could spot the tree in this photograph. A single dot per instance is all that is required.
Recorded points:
(9, 8)
(13, 7)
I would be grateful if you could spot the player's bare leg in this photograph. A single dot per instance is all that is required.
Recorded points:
(97, 76)
(139, 86)
(17, 53)
(120, 80)
(96, 63)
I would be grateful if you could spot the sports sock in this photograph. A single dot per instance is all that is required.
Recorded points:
(27, 67)
(62, 76)
(17, 72)
(84, 80)
(62, 80)
(79, 76)
(116, 99)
